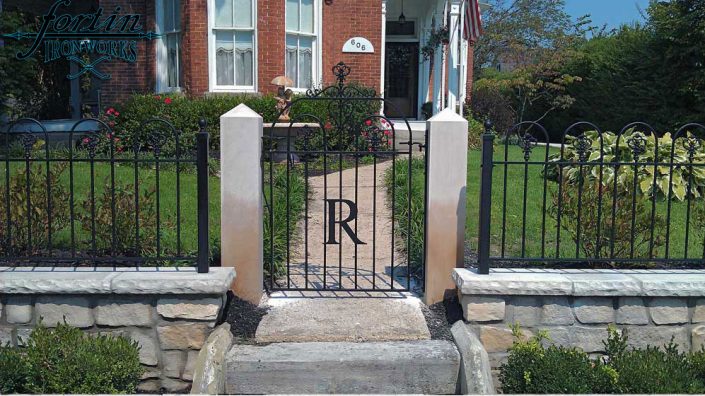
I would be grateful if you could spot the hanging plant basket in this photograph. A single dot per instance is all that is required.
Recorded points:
(436, 39)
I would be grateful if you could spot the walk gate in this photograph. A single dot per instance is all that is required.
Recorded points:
(331, 221)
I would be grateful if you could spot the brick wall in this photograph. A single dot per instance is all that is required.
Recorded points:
(194, 44)
(271, 43)
(126, 77)
(343, 19)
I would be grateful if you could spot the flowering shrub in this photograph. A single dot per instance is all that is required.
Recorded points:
(376, 135)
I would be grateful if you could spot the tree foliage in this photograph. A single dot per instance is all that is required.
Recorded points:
(652, 72)
(533, 39)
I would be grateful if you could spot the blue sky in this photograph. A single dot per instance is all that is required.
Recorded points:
(611, 12)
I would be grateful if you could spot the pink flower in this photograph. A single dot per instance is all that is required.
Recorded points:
(108, 135)
(86, 140)
(368, 122)
(389, 142)
(369, 149)
(117, 139)
(387, 132)
(116, 113)
(158, 97)
(119, 149)
(328, 125)
(167, 100)
(110, 111)
(111, 124)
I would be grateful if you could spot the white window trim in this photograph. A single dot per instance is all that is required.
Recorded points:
(212, 79)
(317, 58)
(162, 70)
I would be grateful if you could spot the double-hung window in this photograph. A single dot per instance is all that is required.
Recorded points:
(169, 45)
(301, 42)
(233, 42)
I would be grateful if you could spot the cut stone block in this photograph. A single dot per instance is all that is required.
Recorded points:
(183, 336)
(525, 310)
(632, 311)
(414, 367)
(475, 370)
(344, 319)
(668, 310)
(557, 311)
(19, 310)
(148, 346)
(174, 363)
(591, 310)
(123, 312)
(75, 311)
(197, 309)
(482, 309)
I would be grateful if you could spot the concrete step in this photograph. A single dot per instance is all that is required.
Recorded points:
(411, 367)
(342, 320)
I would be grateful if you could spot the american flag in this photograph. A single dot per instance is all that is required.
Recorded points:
(473, 21)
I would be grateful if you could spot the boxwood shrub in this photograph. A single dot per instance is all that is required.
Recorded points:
(537, 366)
(67, 360)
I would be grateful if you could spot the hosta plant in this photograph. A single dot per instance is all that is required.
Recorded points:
(649, 156)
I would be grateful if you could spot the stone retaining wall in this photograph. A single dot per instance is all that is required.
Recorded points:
(169, 313)
(576, 307)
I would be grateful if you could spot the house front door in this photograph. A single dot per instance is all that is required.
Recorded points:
(401, 80)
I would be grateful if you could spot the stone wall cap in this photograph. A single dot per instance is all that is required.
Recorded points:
(599, 282)
(88, 280)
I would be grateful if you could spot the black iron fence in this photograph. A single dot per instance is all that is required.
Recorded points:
(84, 197)
(633, 199)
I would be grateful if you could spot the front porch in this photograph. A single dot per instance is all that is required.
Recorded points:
(414, 85)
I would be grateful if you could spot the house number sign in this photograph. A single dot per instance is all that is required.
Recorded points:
(358, 45)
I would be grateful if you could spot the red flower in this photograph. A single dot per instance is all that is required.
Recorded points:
(387, 132)
(368, 122)
(328, 125)
(116, 113)
(110, 111)
(167, 100)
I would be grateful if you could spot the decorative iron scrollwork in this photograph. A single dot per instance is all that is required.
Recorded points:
(90, 142)
(28, 141)
(637, 143)
(527, 144)
(582, 145)
(341, 72)
(692, 144)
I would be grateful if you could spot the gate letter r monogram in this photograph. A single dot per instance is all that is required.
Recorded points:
(343, 223)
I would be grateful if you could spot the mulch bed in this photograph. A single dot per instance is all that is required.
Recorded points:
(243, 317)
(441, 316)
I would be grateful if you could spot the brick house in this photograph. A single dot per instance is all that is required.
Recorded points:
(238, 46)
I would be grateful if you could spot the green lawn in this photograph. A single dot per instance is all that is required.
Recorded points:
(529, 228)
(124, 179)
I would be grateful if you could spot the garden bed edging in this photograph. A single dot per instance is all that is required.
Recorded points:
(169, 312)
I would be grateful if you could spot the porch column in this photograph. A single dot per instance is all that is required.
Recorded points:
(454, 66)
(241, 223)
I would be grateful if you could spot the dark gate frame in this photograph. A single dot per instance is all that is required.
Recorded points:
(341, 123)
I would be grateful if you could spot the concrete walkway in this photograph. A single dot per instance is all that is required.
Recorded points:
(347, 265)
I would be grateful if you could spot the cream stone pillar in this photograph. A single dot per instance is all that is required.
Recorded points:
(445, 211)
(241, 227)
